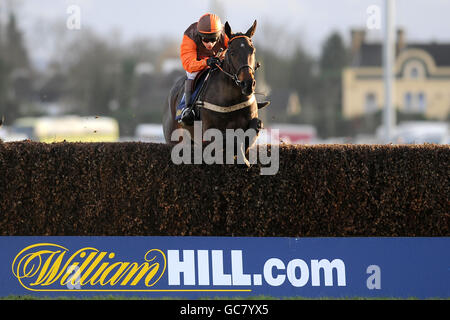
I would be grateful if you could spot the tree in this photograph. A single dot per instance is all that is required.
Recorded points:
(333, 58)
(15, 70)
(3, 73)
(16, 53)
(105, 78)
(300, 74)
(92, 71)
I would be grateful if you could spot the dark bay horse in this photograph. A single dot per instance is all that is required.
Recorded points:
(228, 98)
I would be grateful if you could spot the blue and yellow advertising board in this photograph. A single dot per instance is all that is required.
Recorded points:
(194, 267)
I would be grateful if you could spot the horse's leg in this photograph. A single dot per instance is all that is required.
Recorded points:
(169, 122)
(255, 124)
(244, 153)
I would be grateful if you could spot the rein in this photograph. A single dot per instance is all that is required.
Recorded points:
(234, 77)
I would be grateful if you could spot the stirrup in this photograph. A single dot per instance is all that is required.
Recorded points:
(263, 104)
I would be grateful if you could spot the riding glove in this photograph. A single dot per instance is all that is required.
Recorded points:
(213, 62)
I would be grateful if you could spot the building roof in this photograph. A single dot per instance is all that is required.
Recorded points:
(439, 51)
(371, 54)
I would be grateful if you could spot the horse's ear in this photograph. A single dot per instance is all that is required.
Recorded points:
(228, 30)
(250, 32)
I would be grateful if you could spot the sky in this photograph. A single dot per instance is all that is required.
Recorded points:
(307, 21)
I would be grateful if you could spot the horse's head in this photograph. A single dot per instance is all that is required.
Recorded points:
(240, 58)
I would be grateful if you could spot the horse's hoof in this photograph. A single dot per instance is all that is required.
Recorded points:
(247, 163)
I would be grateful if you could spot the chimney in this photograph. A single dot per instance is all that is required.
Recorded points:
(401, 43)
(358, 36)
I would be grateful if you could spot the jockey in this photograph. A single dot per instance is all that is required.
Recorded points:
(202, 41)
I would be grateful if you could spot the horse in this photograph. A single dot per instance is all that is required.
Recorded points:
(228, 100)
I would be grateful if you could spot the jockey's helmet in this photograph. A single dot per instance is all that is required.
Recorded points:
(209, 26)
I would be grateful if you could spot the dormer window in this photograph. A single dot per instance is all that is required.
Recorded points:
(414, 70)
(414, 73)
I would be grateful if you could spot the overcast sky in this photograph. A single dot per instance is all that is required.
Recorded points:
(312, 20)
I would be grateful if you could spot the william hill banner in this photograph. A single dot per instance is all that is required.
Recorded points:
(193, 267)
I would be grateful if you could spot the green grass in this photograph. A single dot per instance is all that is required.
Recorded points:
(261, 297)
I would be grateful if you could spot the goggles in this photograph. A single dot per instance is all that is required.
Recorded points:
(208, 40)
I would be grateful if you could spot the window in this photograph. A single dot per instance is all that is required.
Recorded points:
(414, 74)
(408, 101)
(414, 70)
(421, 102)
(371, 102)
(415, 102)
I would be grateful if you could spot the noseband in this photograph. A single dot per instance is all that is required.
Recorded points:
(234, 76)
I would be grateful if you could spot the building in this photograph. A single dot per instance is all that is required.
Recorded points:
(422, 78)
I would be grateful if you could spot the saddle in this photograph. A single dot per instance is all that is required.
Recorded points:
(200, 78)
(197, 84)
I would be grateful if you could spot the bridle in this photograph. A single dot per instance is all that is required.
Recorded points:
(234, 76)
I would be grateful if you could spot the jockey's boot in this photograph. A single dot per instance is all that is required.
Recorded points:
(188, 113)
